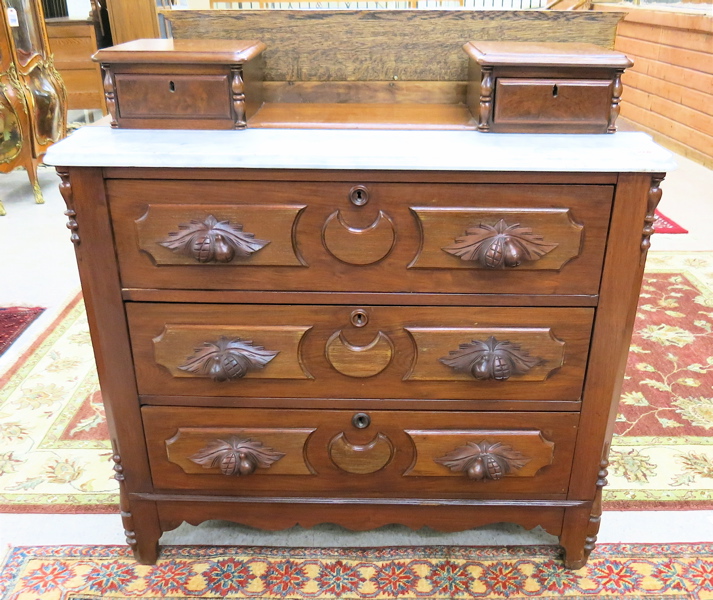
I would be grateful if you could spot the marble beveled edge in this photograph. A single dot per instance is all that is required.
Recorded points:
(363, 149)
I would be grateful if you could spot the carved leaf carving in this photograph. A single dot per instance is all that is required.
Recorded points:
(484, 460)
(227, 359)
(500, 246)
(236, 456)
(491, 359)
(211, 240)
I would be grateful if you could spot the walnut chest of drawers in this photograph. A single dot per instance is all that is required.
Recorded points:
(294, 327)
(544, 87)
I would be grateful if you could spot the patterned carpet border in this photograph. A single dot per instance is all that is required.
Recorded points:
(13, 321)
(7, 375)
(615, 571)
(663, 224)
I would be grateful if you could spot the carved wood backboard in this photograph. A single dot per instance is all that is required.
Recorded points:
(385, 45)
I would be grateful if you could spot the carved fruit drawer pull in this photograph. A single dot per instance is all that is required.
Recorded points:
(500, 246)
(491, 359)
(484, 460)
(211, 240)
(236, 456)
(227, 359)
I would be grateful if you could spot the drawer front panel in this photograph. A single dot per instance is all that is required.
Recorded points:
(167, 96)
(170, 235)
(303, 452)
(552, 101)
(360, 236)
(360, 352)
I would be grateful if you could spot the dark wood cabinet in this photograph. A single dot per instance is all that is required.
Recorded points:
(544, 87)
(182, 84)
(293, 346)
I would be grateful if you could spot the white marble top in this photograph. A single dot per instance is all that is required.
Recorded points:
(350, 149)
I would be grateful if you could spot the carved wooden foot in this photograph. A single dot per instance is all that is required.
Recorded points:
(573, 538)
(143, 518)
(137, 516)
(575, 561)
(146, 551)
(581, 526)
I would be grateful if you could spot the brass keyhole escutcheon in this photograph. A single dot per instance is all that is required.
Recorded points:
(555, 91)
(359, 195)
(171, 86)
(361, 420)
(359, 318)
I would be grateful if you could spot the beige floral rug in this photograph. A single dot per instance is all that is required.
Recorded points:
(662, 452)
(55, 455)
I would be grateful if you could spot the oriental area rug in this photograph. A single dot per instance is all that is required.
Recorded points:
(614, 572)
(13, 321)
(663, 224)
(55, 455)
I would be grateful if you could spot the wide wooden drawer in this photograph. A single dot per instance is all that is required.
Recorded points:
(400, 453)
(448, 352)
(360, 236)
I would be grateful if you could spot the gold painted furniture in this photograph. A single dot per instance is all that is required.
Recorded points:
(33, 101)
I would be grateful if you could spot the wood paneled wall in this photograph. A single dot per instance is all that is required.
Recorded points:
(132, 20)
(669, 91)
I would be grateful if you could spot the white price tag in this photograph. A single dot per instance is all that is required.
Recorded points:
(12, 17)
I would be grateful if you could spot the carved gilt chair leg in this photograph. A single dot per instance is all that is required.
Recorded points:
(3, 212)
(31, 167)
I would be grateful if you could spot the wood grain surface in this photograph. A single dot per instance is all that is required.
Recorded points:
(544, 437)
(548, 101)
(404, 45)
(193, 51)
(319, 115)
(554, 211)
(537, 451)
(362, 92)
(542, 54)
(359, 514)
(434, 343)
(441, 226)
(172, 347)
(289, 440)
(275, 222)
(541, 330)
(361, 458)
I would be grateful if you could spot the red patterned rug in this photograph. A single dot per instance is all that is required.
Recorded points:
(614, 572)
(663, 224)
(13, 321)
